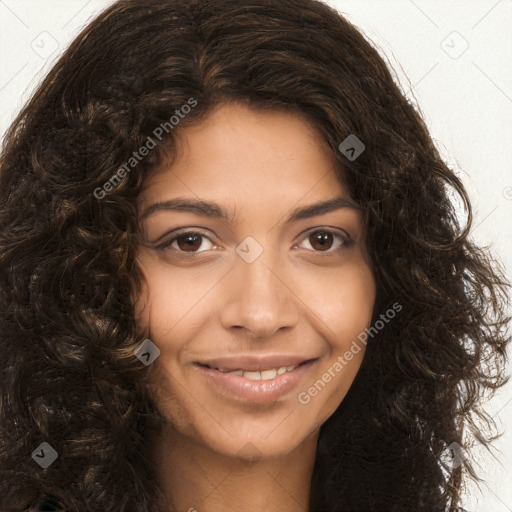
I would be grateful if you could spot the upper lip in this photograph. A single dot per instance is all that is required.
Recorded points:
(255, 363)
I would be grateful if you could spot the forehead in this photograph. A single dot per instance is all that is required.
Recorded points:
(238, 151)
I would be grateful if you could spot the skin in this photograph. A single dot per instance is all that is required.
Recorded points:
(298, 297)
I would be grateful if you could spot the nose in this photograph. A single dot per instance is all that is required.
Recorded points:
(260, 298)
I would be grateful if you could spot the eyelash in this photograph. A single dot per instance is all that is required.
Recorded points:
(346, 242)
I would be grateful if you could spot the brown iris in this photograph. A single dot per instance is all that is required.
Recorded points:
(324, 240)
(192, 241)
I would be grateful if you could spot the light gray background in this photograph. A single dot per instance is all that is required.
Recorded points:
(453, 59)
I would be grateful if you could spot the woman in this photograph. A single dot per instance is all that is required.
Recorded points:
(232, 276)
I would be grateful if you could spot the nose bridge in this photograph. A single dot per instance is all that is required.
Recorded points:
(258, 299)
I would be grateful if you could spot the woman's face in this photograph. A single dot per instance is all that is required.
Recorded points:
(251, 309)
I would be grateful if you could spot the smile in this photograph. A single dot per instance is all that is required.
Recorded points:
(249, 382)
(260, 374)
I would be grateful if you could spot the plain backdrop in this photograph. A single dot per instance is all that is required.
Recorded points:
(452, 59)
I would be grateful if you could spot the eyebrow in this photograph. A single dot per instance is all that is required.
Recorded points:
(210, 209)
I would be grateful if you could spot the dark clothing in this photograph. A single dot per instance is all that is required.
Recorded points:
(44, 505)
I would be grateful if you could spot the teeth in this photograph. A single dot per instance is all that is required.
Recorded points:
(263, 374)
(252, 375)
(268, 374)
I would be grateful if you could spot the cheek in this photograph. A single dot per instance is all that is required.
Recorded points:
(171, 399)
(168, 296)
(158, 311)
(345, 304)
(356, 301)
(343, 300)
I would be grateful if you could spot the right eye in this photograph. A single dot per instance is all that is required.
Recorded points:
(185, 242)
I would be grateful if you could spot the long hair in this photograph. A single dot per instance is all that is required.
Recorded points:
(69, 273)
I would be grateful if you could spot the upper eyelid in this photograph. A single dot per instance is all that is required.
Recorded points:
(163, 239)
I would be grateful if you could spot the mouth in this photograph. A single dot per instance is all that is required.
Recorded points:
(258, 374)
(256, 380)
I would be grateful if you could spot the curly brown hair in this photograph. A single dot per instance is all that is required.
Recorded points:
(69, 271)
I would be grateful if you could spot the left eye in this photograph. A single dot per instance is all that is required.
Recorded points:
(322, 240)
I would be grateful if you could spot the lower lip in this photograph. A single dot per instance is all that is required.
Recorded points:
(257, 391)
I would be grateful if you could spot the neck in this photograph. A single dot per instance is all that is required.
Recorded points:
(195, 478)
